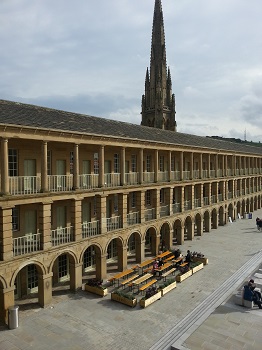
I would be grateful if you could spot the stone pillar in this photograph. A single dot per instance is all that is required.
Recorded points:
(122, 165)
(191, 165)
(76, 276)
(201, 194)
(201, 166)
(156, 201)
(45, 224)
(209, 193)
(6, 233)
(140, 252)
(181, 166)
(181, 237)
(45, 289)
(8, 301)
(4, 167)
(44, 178)
(223, 165)
(170, 200)
(208, 165)
(101, 161)
(122, 256)
(76, 167)
(216, 165)
(156, 166)
(76, 218)
(182, 201)
(190, 235)
(123, 209)
(101, 267)
(169, 165)
(193, 196)
(101, 212)
(141, 205)
(140, 165)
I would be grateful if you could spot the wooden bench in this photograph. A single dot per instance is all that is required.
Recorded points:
(129, 280)
(145, 286)
(111, 280)
(136, 267)
(168, 273)
(184, 264)
(149, 269)
(169, 258)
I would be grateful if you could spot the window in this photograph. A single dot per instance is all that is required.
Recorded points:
(133, 199)
(116, 163)
(89, 258)
(32, 277)
(161, 163)
(112, 250)
(133, 163)
(15, 218)
(96, 164)
(148, 164)
(13, 162)
(71, 162)
(62, 266)
(49, 162)
(148, 197)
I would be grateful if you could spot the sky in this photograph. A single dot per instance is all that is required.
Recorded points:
(90, 56)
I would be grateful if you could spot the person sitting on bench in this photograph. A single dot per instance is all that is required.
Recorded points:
(252, 295)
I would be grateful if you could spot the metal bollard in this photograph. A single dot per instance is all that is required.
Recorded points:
(13, 317)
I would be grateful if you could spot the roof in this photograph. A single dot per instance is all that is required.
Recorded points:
(20, 114)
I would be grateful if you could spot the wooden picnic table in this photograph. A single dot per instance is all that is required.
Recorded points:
(141, 280)
(122, 274)
(178, 259)
(163, 268)
(146, 263)
(162, 255)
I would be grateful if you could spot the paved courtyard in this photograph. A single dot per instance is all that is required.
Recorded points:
(84, 321)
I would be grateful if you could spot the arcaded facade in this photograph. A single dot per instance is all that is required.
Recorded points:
(81, 193)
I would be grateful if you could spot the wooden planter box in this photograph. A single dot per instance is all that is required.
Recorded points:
(95, 290)
(180, 278)
(168, 288)
(146, 302)
(123, 300)
(197, 268)
(203, 260)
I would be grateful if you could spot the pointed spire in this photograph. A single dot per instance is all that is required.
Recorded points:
(158, 85)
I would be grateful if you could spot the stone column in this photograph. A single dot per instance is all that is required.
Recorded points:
(101, 267)
(181, 237)
(8, 301)
(156, 166)
(6, 233)
(156, 201)
(140, 252)
(44, 218)
(170, 200)
(101, 212)
(44, 176)
(76, 276)
(101, 161)
(45, 289)
(123, 209)
(193, 196)
(181, 166)
(140, 165)
(141, 205)
(191, 165)
(216, 165)
(208, 165)
(122, 167)
(122, 257)
(4, 167)
(76, 167)
(169, 165)
(76, 218)
(201, 166)
(182, 201)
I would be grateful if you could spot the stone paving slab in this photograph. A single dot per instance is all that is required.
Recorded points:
(83, 321)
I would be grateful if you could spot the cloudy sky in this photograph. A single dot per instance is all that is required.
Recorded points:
(90, 56)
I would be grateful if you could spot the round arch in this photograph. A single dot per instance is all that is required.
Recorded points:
(165, 236)
(198, 228)
(151, 240)
(114, 251)
(134, 243)
(178, 237)
(206, 221)
(188, 230)
(91, 258)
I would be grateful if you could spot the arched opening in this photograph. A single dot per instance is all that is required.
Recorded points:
(177, 233)
(231, 212)
(197, 226)
(63, 269)
(214, 219)
(134, 248)
(239, 212)
(2, 304)
(26, 283)
(206, 221)
(221, 216)
(150, 242)
(91, 258)
(114, 251)
(188, 234)
(165, 239)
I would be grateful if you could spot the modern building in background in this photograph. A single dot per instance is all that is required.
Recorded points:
(80, 194)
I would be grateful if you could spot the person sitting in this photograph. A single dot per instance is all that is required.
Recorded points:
(155, 266)
(160, 263)
(177, 253)
(251, 295)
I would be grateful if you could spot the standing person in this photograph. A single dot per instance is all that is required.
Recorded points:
(257, 223)
(188, 258)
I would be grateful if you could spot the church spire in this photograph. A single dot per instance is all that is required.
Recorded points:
(158, 109)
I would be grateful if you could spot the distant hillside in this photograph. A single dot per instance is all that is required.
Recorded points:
(231, 139)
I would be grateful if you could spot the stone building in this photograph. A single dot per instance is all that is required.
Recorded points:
(80, 194)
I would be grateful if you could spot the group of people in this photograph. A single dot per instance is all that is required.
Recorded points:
(251, 294)
(259, 224)
(156, 265)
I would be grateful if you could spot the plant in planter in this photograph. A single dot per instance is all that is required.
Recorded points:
(196, 266)
(167, 286)
(95, 286)
(124, 298)
(184, 273)
(152, 294)
(199, 257)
